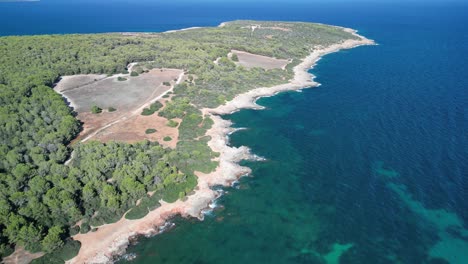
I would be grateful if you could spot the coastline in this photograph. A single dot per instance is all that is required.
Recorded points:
(112, 239)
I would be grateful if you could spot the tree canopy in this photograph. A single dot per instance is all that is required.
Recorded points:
(41, 198)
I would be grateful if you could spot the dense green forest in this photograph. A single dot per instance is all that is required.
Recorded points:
(41, 198)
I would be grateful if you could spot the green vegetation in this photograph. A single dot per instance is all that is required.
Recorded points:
(172, 123)
(147, 204)
(68, 251)
(167, 138)
(138, 69)
(167, 83)
(111, 109)
(121, 79)
(147, 112)
(85, 228)
(41, 198)
(74, 230)
(95, 109)
(150, 131)
(134, 74)
(234, 58)
(154, 107)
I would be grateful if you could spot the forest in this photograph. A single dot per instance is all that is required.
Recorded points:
(42, 199)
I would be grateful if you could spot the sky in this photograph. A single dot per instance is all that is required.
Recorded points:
(236, 1)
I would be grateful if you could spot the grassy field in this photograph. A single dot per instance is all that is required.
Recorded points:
(129, 95)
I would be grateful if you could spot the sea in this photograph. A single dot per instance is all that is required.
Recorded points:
(369, 167)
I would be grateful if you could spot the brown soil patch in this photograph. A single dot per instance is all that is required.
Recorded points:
(128, 97)
(133, 130)
(250, 60)
(92, 122)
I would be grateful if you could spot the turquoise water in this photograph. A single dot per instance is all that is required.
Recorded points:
(370, 167)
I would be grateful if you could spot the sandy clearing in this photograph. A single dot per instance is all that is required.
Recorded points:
(250, 60)
(75, 81)
(109, 92)
(128, 97)
(133, 130)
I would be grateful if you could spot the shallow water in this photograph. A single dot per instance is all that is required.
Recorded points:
(370, 167)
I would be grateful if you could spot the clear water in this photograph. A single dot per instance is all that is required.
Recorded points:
(370, 167)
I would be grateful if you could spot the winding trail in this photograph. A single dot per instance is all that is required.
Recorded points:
(137, 111)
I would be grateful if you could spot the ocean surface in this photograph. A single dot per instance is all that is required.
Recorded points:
(370, 167)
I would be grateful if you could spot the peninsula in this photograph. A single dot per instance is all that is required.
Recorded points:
(106, 136)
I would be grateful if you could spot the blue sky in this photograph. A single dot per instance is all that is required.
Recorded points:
(240, 1)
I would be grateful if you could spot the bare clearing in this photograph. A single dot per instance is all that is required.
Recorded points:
(139, 124)
(128, 97)
(250, 60)
(110, 92)
(281, 27)
(76, 81)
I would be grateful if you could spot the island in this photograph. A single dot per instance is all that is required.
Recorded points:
(106, 136)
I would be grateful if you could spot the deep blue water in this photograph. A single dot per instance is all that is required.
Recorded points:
(370, 167)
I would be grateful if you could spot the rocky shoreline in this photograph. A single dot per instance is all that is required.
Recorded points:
(111, 240)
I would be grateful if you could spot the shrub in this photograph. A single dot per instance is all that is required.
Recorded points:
(85, 228)
(146, 205)
(234, 57)
(137, 212)
(153, 108)
(147, 112)
(156, 106)
(153, 201)
(74, 230)
(167, 138)
(5, 250)
(105, 216)
(200, 158)
(134, 74)
(121, 79)
(68, 251)
(181, 195)
(167, 83)
(172, 192)
(95, 109)
(138, 69)
(150, 131)
(111, 109)
(172, 123)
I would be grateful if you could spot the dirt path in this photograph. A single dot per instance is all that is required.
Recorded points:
(137, 111)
